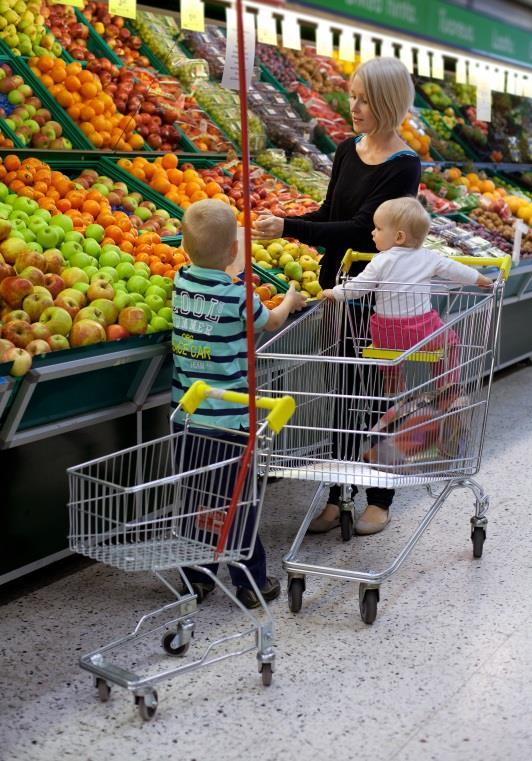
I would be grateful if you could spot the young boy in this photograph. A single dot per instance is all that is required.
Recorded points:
(209, 343)
(401, 276)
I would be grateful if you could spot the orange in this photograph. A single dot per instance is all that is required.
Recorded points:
(169, 161)
(16, 185)
(105, 220)
(64, 98)
(85, 76)
(12, 162)
(76, 198)
(74, 68)
(74, 111)
(45, 62)
(161, 183)
(190, 175)
(212, 188)
(87, 113)
(58, 72)
(64, 205)
(175, 176)
(114, 232)
(88, 90)
(97, 106)
(136, 141)
(191, 188)
(47, 80)
(124, 163)
(198, 196)
(137, 172)
(222, 197)
(91, 207)
(72, 83)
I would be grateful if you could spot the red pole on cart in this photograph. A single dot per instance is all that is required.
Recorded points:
(250, 328)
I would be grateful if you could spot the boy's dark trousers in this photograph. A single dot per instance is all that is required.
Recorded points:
(198, 457)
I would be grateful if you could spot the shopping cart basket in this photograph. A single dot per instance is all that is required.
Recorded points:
(166, 505)
(373, 416)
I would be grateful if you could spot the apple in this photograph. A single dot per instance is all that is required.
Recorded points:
(54, 283)
(155, 302)
(73, 275)
(100, 289)
(166, 314)
(39, 330)
(5, 344)
(35, 304)
(63, 221)
(58, 342)
(158, 323)
(57, 319)
(11, 248)
(38, 346)
(36, 276)
(14, 290)
(92, 247)
(20, 358)
(5, 229)
(121, 300)
(86, 332)
(109, 259)
(71, 247)
(137, 284)
(116, 333)
(67, 303)
(6, 270)
(125, 270)
(109, 273)
(108, 307)
(49, 236)
(15, 314)
(91, 313)
(80, 259)
(133, 319)
(81, 287)
(74, 293)
(74, 236)
(96, 232)
(18, 332)
(54, 260)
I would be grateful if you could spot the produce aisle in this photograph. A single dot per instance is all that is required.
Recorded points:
(444, 673)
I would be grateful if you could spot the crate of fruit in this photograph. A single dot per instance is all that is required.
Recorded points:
(95, 42)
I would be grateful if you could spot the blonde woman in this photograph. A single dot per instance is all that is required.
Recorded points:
(370, 168)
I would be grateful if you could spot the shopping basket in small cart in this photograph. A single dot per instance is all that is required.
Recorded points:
(385, 408)
(168, 505)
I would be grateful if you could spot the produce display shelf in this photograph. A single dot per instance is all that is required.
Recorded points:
(95, 43)
(70, 129)
(147, 52)
(469, 154)
(8, 132)
(270, 276)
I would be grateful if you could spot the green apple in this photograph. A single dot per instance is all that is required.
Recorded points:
(37, 224)
(4, 191)
(142, 267)
(154, 302)
(63, 221)
(158, 323)
(99, 275)
(21, 203)
(110, 247)
(44, 213)
(109, 271)
(120, 285)
(156, 290)
(48, 236)
(69, 248)
(109, 259)
(73, 275)
(34, 246)
(108, 307)
(81, 287)
(129, 258)
(134, 299)
(101, 188)
(137, 284)
(166, 314)
(95, 232)
(122, 300)
(74, 235)
(125, 270)
(157, 280)
(92, 247)
(168, 285)
(147, 311)
(19, 214)
(81, 259)
(91, 270)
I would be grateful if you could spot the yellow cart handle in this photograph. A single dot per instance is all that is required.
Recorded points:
(281, 408)
(503, 263)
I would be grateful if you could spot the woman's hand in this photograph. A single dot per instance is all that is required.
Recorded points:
(328, 294)
(267, 227)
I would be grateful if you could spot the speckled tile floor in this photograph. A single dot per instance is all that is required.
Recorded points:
(444, 674)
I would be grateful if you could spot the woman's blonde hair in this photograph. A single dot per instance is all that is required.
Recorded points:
(407, 215)
(389, 90)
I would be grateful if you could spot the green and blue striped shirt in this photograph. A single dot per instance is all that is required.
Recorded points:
(209, 341)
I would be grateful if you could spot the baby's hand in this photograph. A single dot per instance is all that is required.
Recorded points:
(484, 282)
(328, 294)
(295, 300)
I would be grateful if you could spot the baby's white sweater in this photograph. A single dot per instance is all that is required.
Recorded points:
(401, 280)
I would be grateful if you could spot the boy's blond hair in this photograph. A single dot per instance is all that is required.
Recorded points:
(209, 230)
(389, 90)
(407, 215)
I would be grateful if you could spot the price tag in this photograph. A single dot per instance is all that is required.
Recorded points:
(367, 48)
(484, 99)
(497, 80)
(127, 8)
(230, 78)
(266, 28)
(291, 32)
(346, 48)
(437, 66)
(324, 43)
(387, 50)
(520, 230)
(461, 71)
(407, 57)
(423, 63)
(75, 3)
(192, 15)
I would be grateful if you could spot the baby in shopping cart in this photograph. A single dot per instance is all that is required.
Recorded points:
(209, 343)
(401, 275)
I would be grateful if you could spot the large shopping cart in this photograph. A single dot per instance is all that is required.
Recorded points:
(168, 505)
(373, 416)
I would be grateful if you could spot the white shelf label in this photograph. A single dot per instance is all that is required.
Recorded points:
(437, 66)
(192, 15)
(324, 43)
(484, 98)
(346, 48)
(367, 48)
(266, 28)
(461, 71)
(291, 32)
(407, 57)
(520, 229)
(423, 63)
(230, 78)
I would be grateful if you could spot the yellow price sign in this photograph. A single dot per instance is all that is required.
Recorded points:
(76, 3)
(126, 8)
(192, 15)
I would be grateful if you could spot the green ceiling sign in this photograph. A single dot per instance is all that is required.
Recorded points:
(440, 21)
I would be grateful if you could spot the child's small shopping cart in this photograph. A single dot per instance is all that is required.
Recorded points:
(406, 413)
(168, 505)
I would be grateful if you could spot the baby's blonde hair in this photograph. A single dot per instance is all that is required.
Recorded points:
(407, 215)
(209, 230)
(389, 89)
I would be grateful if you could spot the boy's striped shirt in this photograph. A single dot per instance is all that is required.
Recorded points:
(209, 341)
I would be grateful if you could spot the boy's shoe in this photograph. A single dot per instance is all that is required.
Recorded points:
(270, 591)
(372, 521)
(201, 589)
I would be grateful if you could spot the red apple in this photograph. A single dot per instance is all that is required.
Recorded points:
(54, 283)
(67, 302)
(133, 319)
(5, 345)
(15, 289)
(20, 358)
(40, 330)
(6, 270)
(38, 346)
(34, 274)
(91, 313)
(57, 319)
(100, 289)
(86, 332)
(18, 332)
(58, 342)
(116, 332)
(12, 247)
(15, 314)
(30, 258)
(35, 304)
(54, 260)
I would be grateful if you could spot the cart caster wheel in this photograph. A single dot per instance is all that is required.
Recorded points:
(346, 525)
(167, 640)
(267, 674)
(478, 536)
(296, 587)
(368, 602)
(147, 705)
(104, 690)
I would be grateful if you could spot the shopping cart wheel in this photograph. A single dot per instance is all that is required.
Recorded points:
(478, 536)
(104, 690)
(147, 705)
(171, 649)
(346, 525)
(267, 674)
(296, 587)
(368, 601)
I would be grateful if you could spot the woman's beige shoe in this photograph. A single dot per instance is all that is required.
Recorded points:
(328, 519)
(373, 520)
